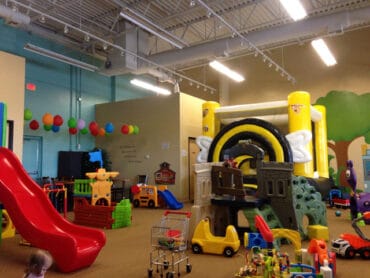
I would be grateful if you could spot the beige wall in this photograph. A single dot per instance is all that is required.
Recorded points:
(12, 84)
(351, 73)
(165, 124)
(191, 126)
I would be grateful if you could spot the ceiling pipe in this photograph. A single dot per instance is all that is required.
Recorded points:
(14, 17)
(325, 25)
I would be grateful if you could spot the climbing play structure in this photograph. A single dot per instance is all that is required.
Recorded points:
(279, 176)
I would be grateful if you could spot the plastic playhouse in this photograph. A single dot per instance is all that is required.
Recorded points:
(93, 205)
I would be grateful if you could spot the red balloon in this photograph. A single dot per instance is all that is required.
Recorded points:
(34, 125)
(94, 132)
(125, 129)
(72, 130)
(58, 120)
(93, 126)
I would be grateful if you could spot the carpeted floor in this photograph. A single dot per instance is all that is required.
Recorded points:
(127, 251)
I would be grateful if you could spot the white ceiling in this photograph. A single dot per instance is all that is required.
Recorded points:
(207, 29)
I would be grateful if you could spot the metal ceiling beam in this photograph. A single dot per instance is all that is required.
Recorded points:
(313, 27)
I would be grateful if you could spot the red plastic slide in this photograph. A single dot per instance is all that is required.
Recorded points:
(73, 247)
(263, 228)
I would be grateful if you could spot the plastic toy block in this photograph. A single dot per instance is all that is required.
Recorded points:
(122, 214)
(254, 239)
(318, 232)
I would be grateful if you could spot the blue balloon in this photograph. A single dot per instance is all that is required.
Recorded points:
(109, 127)
(55, 128)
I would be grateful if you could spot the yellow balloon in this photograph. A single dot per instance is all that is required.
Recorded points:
(130, 129)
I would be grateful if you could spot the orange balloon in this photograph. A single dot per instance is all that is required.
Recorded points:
(101, 131)
(47, 119)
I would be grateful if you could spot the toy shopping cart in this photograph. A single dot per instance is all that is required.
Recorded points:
(169, 244)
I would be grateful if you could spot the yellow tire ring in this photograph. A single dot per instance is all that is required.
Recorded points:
(268, 138)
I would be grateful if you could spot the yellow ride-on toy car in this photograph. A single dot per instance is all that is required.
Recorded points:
(204, 241)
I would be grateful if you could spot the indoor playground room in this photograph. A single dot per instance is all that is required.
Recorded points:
(184, 139)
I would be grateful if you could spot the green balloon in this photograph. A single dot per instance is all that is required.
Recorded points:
(136, 129)
(27, 114)
(48, 127)
(72, 123)
(84, 131)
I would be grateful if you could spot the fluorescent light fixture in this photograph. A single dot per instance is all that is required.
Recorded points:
(324, 52)
(150, 87)
(226, 71)
(59, 57)
(294, 9)
(152, 28)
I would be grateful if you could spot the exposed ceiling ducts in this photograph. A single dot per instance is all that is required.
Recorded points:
(332, 24)
(13, 17)
(208, 29)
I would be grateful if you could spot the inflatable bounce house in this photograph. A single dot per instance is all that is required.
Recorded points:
(267, 159)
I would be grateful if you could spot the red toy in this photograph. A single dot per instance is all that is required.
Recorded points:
(348, 245)
(72, 247)
(337, 199)
(318, 248)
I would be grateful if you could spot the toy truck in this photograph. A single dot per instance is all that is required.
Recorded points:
(342, 248)
(348, 245)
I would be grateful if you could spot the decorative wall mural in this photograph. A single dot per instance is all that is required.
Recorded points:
(348, 118)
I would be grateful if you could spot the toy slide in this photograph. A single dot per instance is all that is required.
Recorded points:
(170, 199)
(72, 247)
(263, 228)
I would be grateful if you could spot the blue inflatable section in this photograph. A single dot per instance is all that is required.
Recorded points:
(170, 199)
